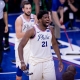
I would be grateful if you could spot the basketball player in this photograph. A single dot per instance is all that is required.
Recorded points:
(24, 22)
(41, 37)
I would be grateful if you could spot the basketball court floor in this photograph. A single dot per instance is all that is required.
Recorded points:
(9, 69)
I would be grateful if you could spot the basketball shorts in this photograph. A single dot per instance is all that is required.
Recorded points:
(42, 71)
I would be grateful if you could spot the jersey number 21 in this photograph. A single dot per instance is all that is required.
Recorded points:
(44, 44)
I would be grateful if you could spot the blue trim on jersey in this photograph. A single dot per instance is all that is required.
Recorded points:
(48, 30)
(32, 20)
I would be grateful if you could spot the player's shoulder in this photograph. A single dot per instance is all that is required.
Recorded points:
(19, 18)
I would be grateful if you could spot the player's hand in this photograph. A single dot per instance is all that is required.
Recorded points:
(6, 29)
(62, 26)
(23, 66)
(61, 20)
(60, 66)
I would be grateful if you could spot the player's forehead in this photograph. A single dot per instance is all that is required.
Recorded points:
(45, 15)
(27, 6)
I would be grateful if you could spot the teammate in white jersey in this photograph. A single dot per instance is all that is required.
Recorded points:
(41, 37)
(23, 23)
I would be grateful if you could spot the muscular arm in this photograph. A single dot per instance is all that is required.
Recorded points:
(18, 28)
(55, 45)
(23, 42)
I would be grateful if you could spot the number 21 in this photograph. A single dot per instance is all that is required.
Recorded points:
(44, 44)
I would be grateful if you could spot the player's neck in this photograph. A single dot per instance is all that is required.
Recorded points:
(27, 17)
(41, 27)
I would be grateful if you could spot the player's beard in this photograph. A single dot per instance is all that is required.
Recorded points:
(44, 24)
(27, 14)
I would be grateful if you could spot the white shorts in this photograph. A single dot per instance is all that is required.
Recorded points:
(42, 71)
(26, 54)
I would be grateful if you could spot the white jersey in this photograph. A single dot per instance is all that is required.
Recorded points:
(26, 25)
(40, 46)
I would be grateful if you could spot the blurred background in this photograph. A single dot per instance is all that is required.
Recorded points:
(14, 6)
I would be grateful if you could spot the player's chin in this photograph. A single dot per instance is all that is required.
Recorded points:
(28, 14)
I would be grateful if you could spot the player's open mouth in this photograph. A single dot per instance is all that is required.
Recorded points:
(47, 23)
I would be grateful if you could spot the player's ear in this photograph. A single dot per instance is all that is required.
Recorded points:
(39, 20)
(23, 9)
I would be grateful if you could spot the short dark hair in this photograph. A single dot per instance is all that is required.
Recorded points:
(71, 68)
(24, 2)
(41, 13)
(68, 75)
